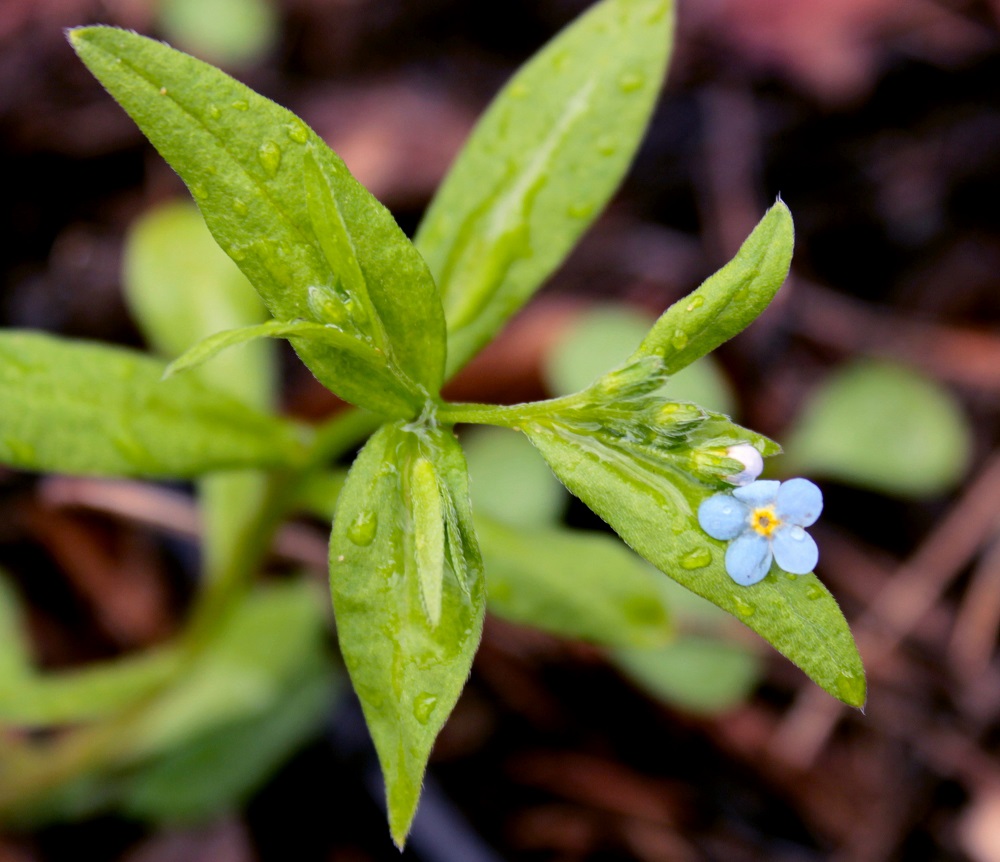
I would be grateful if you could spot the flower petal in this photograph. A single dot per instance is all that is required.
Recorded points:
(723, 517)
(751, 460)
(748, 559)
(794, 550)
(799, 502)
(760, 493)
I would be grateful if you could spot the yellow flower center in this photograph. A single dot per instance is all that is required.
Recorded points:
(764, 521)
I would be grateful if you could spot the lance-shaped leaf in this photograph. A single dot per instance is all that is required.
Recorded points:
(646, 474)
(87, 408)
(408, 595)
(573, 583)
(541, 164)
(296, 330)
(729, 301)
(287, 210)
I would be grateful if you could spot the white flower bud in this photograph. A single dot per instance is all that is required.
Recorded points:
(751, 460)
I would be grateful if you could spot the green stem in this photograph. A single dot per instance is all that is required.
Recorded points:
(501, 415)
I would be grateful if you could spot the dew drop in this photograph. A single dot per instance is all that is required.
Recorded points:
(241, 105)
(850, 688)
(580, 211)
(696, 302)
(270, 157)
(163, 91)
(814, 592)
(214, 112)
(326, 306)
(744, 610)
(696, 559)
(518, 91)
(630, 82)
(789, 576)
(363, 528)
(198, 192)
(298, 132)
(607, 145)
(423, 706)
(679, 339)
(797, 534)
(239, 207)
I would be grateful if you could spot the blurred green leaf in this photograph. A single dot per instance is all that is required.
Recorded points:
(182, 288)
(219, 769)
(574, 584)
(246, 161)
(541, 164)
(408, 661)
(34, 699)
(273, 633)
(15, 654)
(509, 482)
(87, 408)
(883, 427)
(604, 337)
(697, 674)
(227, 32)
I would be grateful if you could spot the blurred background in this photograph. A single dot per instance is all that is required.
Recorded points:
(877, 368)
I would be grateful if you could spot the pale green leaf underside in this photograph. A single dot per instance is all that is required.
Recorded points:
(243, 158)
(654, 509)
(729, 301)
(575, 584)
(541, 164)
(86, 408)
(407, 668)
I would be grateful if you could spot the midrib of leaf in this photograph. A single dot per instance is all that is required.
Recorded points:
(521, 196)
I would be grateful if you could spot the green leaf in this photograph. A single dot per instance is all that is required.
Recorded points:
(181, 287)
(574, 584)
(67, 697)
(697, 674)
(408, 662)
(541, 164)
(15, 655)
(227, 32)
(727, 302)
(221, 768)
(604, 337)
(882, 427)
(275, 632)
(246, 162)
(81, 407)
(509, 481)
(647, 478)
(293, 330)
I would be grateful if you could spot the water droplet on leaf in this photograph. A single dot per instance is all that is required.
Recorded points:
(696, 302)
(239, 207)
(241, 105)
(679, 340)
(850, 688)
(214, 112)
(630, 82)
(298, 132)
(423, 706)
(363, 528)
(607, 145)
(696, 559)
(270, 157)
(744, 610)
(814, 592)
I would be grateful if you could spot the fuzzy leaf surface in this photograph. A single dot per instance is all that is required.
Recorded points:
(649, 491)
(727, 302)
(87, 408)
(408, 661)
(266, 184)
(541, 164)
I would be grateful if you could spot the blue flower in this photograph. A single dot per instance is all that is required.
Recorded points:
(762, 521)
